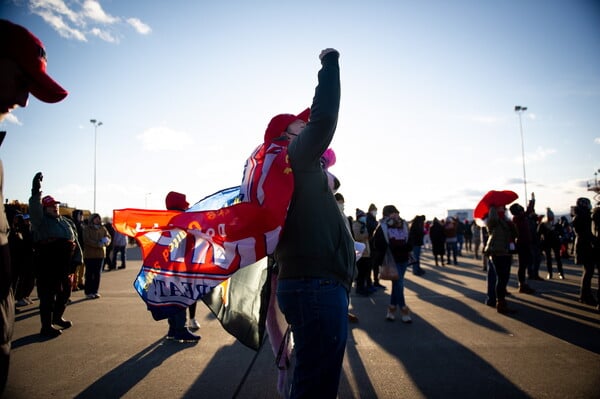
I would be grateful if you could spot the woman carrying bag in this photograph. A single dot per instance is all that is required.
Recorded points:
(392, 234)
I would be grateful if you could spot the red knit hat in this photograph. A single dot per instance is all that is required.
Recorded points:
(280, 123)
(20, 45)
(176, 201)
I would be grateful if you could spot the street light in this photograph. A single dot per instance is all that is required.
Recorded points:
(519, 110)
(96, 124)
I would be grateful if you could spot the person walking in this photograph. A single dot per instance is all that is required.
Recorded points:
(57, 253)
(392, 234)
(315, 253)
(23, 71)
(95, 240)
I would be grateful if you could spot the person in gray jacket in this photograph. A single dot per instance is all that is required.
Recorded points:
(315, 254)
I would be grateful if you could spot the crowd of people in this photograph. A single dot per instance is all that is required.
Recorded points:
(501, 239)
(316, 256)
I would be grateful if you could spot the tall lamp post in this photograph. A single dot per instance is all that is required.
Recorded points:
(96, 124)
(519, 110)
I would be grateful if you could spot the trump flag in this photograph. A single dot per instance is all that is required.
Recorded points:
(186, 254)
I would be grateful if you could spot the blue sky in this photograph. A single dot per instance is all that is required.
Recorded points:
(185, 89)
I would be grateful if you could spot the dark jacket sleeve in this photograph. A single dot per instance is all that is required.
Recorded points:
(308, 147)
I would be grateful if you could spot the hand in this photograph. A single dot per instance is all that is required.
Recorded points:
(327, 51)
(36, 185)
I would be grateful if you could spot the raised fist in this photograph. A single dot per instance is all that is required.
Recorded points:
(36, 185)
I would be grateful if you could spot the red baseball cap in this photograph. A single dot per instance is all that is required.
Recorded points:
(20, 45)
(49, 201)
(280, 123)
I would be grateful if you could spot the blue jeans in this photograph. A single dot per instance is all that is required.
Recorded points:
(417, 254)
(317, 311)
(123, 252)
(397, 296)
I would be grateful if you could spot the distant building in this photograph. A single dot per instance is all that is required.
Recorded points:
(461, 214)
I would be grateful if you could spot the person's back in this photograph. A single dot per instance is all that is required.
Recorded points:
(315, 241)
(315, 253)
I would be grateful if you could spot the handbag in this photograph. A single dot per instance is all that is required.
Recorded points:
(388, 269)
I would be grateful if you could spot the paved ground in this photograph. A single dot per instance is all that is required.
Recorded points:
(456, 347)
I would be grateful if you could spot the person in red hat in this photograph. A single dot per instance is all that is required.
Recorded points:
(178, 331)
(315, 254)
(57, 254)
(22, 71)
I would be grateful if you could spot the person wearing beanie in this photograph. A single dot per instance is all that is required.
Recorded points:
(178, 331)
(392, 234)
(315, 254)
(22, 71)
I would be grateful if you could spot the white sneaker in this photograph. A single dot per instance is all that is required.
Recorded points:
(405, 311)
(193, 325)
(390, 313)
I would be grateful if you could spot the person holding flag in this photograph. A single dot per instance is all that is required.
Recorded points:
(315, 253)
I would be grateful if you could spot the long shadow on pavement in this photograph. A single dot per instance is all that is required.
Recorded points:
(121, 379)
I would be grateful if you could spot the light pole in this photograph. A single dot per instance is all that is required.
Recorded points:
(96, 124)
(519, 110)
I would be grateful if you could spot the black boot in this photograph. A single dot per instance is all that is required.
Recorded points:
(58, 320)
(47, 329)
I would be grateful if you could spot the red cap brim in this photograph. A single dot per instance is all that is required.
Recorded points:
(44, 88)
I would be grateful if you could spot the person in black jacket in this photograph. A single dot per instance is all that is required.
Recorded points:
(584, 249)
(315, 253)
(23, 71)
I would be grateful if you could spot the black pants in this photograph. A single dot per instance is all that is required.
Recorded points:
(525, 255)
(53, 264)
(548, 253)
(501, 264)
(363, 279)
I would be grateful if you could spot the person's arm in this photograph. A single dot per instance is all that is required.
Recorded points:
(308, 147)
(36, 211)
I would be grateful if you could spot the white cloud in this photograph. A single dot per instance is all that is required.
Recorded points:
(139, 26)
(162, 138)
(597, 140)
(89, 19)
(538, 155)
(93, 10)
(104, 35)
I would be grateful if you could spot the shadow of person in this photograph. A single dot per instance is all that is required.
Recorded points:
(122, 378)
